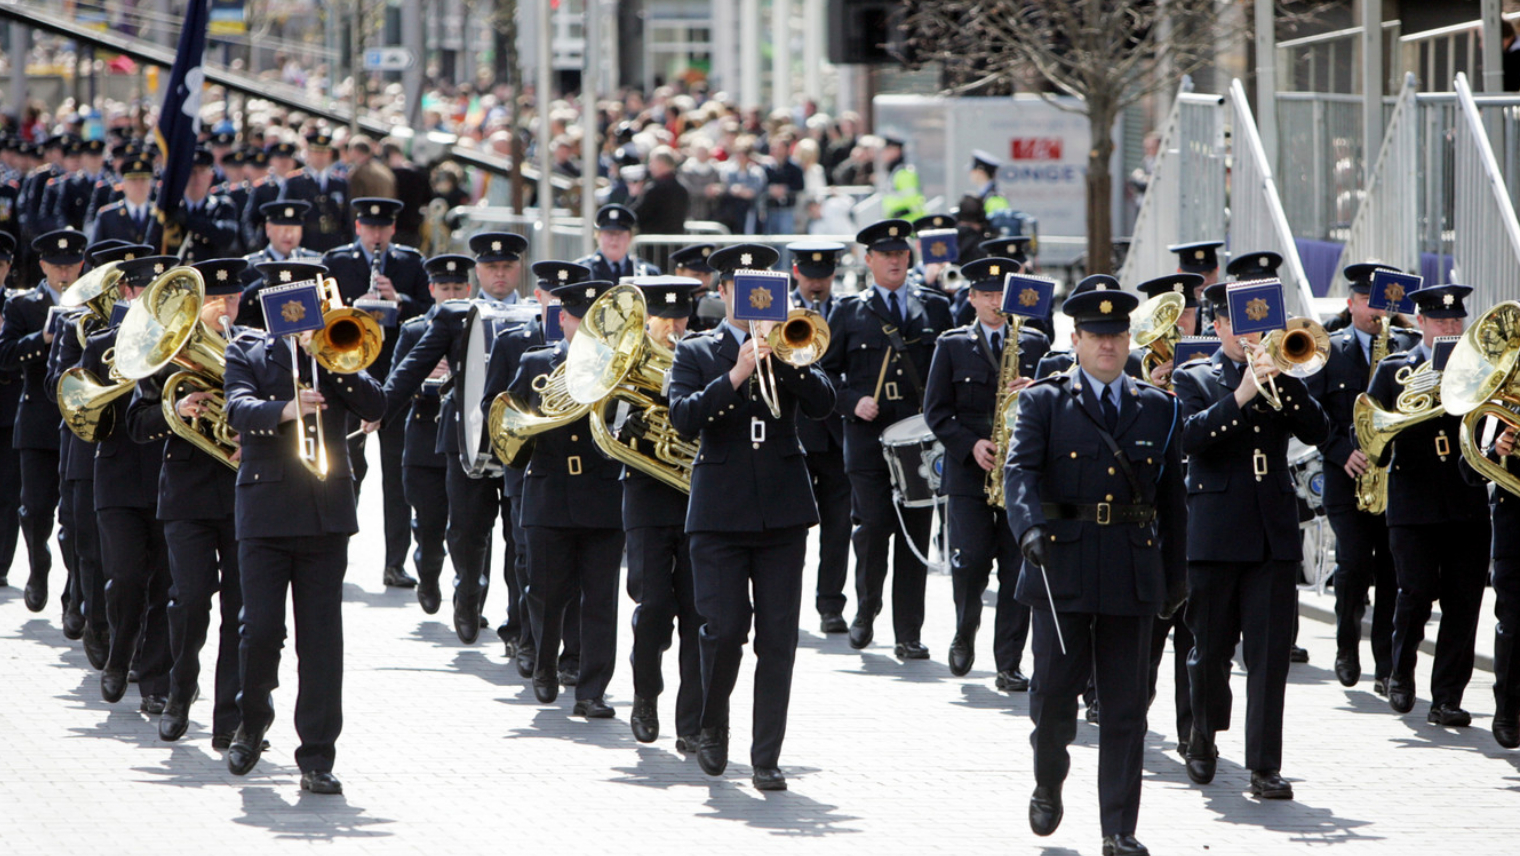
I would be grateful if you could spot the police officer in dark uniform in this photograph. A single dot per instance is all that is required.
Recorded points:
(881, 342)
(208, 222)
(270, 187)
(195, 505)
(293, 531)
(34, 186)
(1202, 258)
(960, 396)
(283, 230)
(327, 221)
(373, 265)
(24, 343)
(10, 459)
(813, 266)
(1014, 247)
(1241, 577)
(707, 309)
(1363, 559)
(134, 217)
(133, 552)
(751, 506)
(1095, 497)
(1438, 527)
(1506, 582)
(67, 200)
(659, 561)
(614, 257)
(1055, 362)
(573, 521)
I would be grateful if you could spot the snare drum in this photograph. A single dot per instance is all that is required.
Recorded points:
(1307, 469)
(915, 460)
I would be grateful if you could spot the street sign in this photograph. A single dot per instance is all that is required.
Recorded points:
(388, 59)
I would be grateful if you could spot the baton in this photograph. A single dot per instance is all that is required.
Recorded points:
(1052, 598)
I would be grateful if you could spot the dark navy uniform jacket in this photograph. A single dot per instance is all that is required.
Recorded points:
(10, 381)
(506, 354)
(750, 473)
(351, 268)
(819, 435)
(250, 310)
(276, 496)
(857, 346)
(126, 471)
(328, 223)
(603, 269)
(22, 349)
(1058, 456)
(568, 482)
(1425, 486)
(211, 229)
(423, 420)
(78, 457)
(1240, 494)
(264, 189)
(1336, 387)
(116, 221)
(960, 394)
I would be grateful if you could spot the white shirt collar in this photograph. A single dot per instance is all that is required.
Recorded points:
(988, 332)
(1099, 389)
(740, 335)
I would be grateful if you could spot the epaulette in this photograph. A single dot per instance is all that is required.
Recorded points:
(295, 173)
(1058, 377)
(416, 320)
(405, 250)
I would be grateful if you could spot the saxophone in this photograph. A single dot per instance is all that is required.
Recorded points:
(1005, 412)
(1372, 484)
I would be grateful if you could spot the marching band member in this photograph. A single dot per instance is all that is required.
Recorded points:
(614, 258)
(284, 231)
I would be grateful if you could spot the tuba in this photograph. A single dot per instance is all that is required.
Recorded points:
(1153, 326)
(97, 292)
(1480, 381)
(1005, 413)
(85, 402)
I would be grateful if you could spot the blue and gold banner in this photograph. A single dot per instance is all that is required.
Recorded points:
(1440, 351)
(1391, 291)
(1027, 295)
(179, 120)
(1191, 348)
(1257, 306)
(292, 309)
(227, 18)
(554, 327)
(761, 295)
(939, 246)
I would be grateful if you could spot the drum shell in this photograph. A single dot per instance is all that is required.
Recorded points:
(915, 461)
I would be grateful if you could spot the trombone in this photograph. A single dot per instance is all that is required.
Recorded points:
(798, 341)
(347, 343)
(1298, 350)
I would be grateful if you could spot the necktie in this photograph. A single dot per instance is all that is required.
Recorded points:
(1110, 409)
(997, 345)
(895, 309)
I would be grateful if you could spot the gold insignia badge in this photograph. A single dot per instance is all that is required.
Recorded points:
(891, 231)
(130, 257)
(760, 298)
(293, 311)
(1264, 262)
(496, 246)
(1177, 288)
(706, 251)
(939, 248)
(63, 243)
(564, 275)
(450, 267)
(817, 257)
(591, 294)
(1199, 254)
(221, 275)
(158, 268)
(746, 259)
(994, 269)
(284, 276)
(1449, 299)
(1394, 292)
(1257, 308)
(1106, 307)
(374, 209)
(290, 212)
(1029, 297)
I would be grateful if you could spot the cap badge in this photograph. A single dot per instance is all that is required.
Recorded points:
(1177, 288)
(1449, 299)
(706, 251)
(129, 257)
(1264, 262)
(450, 267)
(496, 246)
(612, 215)
(591, 293)
(1199, 254)
(63, 243)
(374, 209)
(285, 277)
(671, 297)
(746, 259)
(221, 275)
(817, 257)
(891, 231)
(1106, 307)
(564, 275)
(1257, 309)
(158, 268)
(290, 212)
(995, 270)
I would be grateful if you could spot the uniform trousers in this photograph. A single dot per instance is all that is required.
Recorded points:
(1446, 562)
(1182, 645)
(660, 582)
(10, 499)
(563, 564)
(831, 488)
(570, 631)
(136, 562)
(203, 561)
(474, 505)
(1506, 632)
(1252, 604)
(39, 500)
(1109, 651)
(311, 568)
(87, 558)
(398, 515)
(67, 525)
(979, 535)
(728, 569)
(1363, 562)
(428, 496)
(876, 527)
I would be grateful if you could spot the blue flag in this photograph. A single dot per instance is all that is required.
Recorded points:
(1256, 306)
(1391, 291)
(1027, 295)
(179, 120)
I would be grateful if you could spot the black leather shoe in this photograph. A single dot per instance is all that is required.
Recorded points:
(1401, 695)
(35, 592)
(1507, 729)
(911, 651)
(861, 632)
(1348, 670)
(712, 750)
(1380, 686)
(769, 779)
(1268, 785)
(321, 783)
(1202, 758)
(153, 705)
(176, 719)
(645, 720)
(527, 659)
(467, 617)
(429, 596)
(688, 743)
(1298, 655)
(485, 623)
(73, 622)
(545, 687)
(243, 754)
(397, 577)
(510, 651)
(1448, 716)
(832, 622)
(1045, 810)
(96, 649)
(113, 685)
(962, 655)
(569, 675)
(1094, 710)
(1123, 845)
(223, 742)
(593, 708)
(1012, 682)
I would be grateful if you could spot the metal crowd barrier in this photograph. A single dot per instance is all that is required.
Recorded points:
(1486, 245)
(1387, 224)
(1257, 221)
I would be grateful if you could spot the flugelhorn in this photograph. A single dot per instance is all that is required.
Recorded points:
(1480, 381)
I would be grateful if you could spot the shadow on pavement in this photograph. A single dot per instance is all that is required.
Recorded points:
(909, 671)
(553, 721)
(782, 813)
(311, 817)
(981, 696)
(392, 597)
(1228, 797)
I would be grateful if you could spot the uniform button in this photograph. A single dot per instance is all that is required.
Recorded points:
(1148, 460)
(755, 445)
(1343, 386)
(1108, 497)
(1224, 427)
(1073, 454)
(575, 438)
(1052, 537)
(1110, 470)
(1257, 427)
(1213, 433)
(1149, 542)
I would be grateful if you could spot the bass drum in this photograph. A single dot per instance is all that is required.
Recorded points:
(1307, 468)
(915, 461)
(481, 327)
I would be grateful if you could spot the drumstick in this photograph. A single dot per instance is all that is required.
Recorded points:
(882, 376)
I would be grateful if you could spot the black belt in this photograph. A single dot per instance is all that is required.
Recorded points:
(1102, 513)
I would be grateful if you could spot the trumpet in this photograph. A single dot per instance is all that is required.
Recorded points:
(1298, 350)
(799, 341)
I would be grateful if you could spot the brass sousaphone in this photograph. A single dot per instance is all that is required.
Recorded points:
(1480, 381)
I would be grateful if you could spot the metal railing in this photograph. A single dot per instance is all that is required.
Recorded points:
(1486, 244)
(1436, 56)
(1330, 62)
(1386, 227)
(1257, 221)
(1320, 161)
(1185, 198)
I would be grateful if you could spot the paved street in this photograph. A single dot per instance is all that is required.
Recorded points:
(445, 750)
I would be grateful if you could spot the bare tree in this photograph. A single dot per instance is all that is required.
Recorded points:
(1107, 53)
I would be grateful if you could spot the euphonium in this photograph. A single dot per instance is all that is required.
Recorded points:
(1372, 484)
(1153, 325)
(512, 424)
(1005, 413)
(1480, 381)
(1376, 427)
(85, 403)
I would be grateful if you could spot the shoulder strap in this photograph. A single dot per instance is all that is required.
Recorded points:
(1136, 495)
(899, 347)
